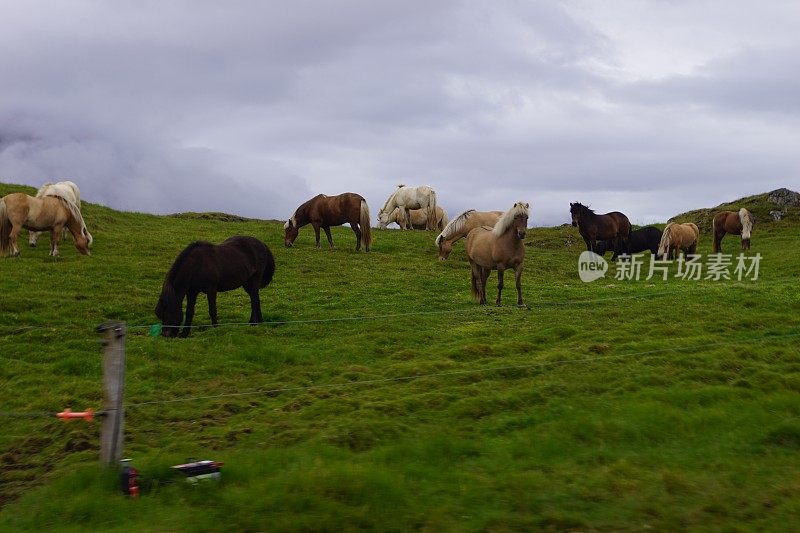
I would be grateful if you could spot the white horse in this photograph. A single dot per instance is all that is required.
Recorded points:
(407, 198)
(63, 189)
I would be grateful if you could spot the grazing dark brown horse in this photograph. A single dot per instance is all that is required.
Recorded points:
(326, 211)
(641, 240)
(735, 223)
(498, 248)
(211, 268)
(594, 227)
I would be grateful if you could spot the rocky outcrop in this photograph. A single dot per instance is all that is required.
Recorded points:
(784, 197)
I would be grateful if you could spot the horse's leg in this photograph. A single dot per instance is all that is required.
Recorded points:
(500, 272)
(212, 306)
(407, 222)
(12, 236)
(316, 232)
(484, 279)
(718, 243)
(33, 236)
(357, 231)
(328, 234)
(191, 300)
(255, 303)
(518, 281)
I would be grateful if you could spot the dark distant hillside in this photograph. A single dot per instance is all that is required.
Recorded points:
(780, 205)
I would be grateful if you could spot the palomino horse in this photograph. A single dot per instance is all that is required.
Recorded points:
(594, 227)
(407, 198)
(678, 237)
(641, 240)
(65, 189)
(459, 227)
(326, 211)
(740, 223)
(19, 211)
(211, 268)
(498, 248)
(419, 218)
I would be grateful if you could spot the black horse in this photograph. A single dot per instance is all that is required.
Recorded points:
(211, 268)
(641, 240)
(594, 227)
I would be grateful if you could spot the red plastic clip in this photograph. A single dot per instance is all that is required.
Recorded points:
(67, 414)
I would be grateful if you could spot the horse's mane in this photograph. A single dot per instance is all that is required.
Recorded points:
(502, 225)
(746, 218)
(583, 207)
(454, 226)
(181, 259)
(386, 203)
(666, 238)
(76, 214)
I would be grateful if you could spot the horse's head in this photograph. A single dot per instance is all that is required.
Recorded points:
(383, 219)
(520, 226)
(82, 242)
(169, 312)
(290, 232)
(575, 211)
(445, 247)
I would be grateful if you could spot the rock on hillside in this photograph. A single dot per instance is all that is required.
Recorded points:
(778, 205)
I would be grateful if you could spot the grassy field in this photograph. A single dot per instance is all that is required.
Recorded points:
(382, 397)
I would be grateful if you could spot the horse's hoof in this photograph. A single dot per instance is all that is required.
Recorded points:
(522, 306)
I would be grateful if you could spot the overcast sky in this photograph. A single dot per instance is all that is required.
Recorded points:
(647, 107)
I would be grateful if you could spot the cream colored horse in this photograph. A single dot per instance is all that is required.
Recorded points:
(459, 227)
(419, 218)
(499, 248)
(64, 189)
(407, 198)
(18, 210)
(678, 237)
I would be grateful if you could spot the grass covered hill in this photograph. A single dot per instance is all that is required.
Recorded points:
(768, 208)
(380, 396)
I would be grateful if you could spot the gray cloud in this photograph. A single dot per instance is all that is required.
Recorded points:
(250, 107)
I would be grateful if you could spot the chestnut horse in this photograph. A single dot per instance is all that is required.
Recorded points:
(419, 218)
(211, 268)
(326, 211)
(594, 227)
(678, 237)
(459, 227)
(54, 213)
(498, 248)
(740, 223)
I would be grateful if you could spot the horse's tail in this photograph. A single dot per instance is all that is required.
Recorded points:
(432, 210)
(666, 240)
(366, 233)
(443, 221)
(5, 228)
(747, 222)
(269, 269)
(474, 285)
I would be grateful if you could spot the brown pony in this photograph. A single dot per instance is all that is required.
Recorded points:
(740, 223)
(54, 213)
(594, 227)
(418, 218)
(498, 248)
(678, 237)
(459, 227)
(326, 211)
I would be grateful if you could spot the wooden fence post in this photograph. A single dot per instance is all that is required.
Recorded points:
(112, 433)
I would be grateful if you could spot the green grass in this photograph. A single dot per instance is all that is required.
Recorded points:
(612, 405)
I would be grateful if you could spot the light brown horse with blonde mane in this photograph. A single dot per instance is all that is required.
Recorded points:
(678, 237)
(418, 218)
(459, 227)
(735, 223)
(54, 213)
(499, 248)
